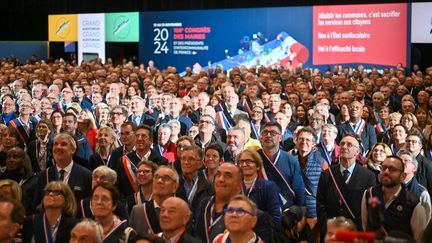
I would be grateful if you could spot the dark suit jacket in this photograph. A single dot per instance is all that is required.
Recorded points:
(79, 181)
(33, 226)
(145, 119)
(424, 172)
(33, 149)
(368, 136)
(328, 203)
(204, 190)
(139, 222)
(96, 161)
(187, 238)
(23, 137)
(123, 183)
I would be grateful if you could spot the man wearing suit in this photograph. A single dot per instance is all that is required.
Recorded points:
(274, 107)
(203, 100)
(423, 174)
(193, 185)
(144, 218)
(174, 218)
(25, 124)
(360, 127)
(138, 117)
(176, 106)
(66, 100)
(76, 176)
(127, 138)
(348, 177)
(231, 102)
(126, 167)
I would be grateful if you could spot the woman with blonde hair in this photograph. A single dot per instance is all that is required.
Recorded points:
(56, 217)
(87, 126)
(394, 119)
(263, 192)
(378, 153)
(105, 145)
(11, 189)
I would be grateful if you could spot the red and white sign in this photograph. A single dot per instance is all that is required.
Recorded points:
(372, 34)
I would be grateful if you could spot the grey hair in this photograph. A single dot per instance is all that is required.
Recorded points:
(93, 226)
(68, 137)
(110, 174)
(413, 157)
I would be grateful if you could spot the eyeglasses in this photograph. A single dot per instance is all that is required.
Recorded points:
(306, 140)
(390, 168)
(257, 112)
(103, 199)
(164, 178)
(144, 172)
(412, 141)
(348, 144)
(205, 122)
(240, 212)
(315, 119)
(188, 159)
(116, 113)
(271, 133)
(126, 133)
(245, 162)
(54, 193)
(97, 177)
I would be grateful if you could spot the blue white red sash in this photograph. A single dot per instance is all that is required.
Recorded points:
(380, 128)
(114, 229)
(210, 224)
(246, 105)
(266, 118)
(47, 230)
(14, 126)
(329, 156)
(131, 171)
(276, 176)
(359, 128)
(341, 197)
(255, 131)
(222, 120)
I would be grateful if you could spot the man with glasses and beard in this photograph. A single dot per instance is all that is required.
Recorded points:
(397, 205)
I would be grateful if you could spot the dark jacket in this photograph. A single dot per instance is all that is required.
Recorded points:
(34, 227)
(79, 181)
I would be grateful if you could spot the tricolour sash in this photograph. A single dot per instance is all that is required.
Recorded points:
(271, 172)
(223, 120)
(130, 170)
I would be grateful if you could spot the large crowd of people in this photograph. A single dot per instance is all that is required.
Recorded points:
(137, 153)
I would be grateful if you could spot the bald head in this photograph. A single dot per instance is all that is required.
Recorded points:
(174, 215)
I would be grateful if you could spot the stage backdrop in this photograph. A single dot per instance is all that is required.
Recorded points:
(373, 34)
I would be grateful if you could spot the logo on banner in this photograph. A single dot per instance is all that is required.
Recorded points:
(121, 27)
(63, 28)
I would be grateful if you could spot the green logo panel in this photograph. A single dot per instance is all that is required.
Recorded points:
(122, 27)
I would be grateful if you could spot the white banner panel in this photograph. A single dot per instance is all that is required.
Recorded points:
(91, 37)
(421, 23)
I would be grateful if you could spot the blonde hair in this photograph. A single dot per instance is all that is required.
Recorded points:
(69, 206)
(15, 188)
(113, 136)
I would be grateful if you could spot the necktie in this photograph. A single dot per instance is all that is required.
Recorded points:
(26, 128)
(157, 210)
(346, 174)
(62, 173)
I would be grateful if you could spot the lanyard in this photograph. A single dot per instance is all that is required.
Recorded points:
(212, 222)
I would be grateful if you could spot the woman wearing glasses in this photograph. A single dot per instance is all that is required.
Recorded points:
(377, 155)
(264, 193)
(240, 219)
(57, 217)
(104, 200)
(145, 173)
(100, 174)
